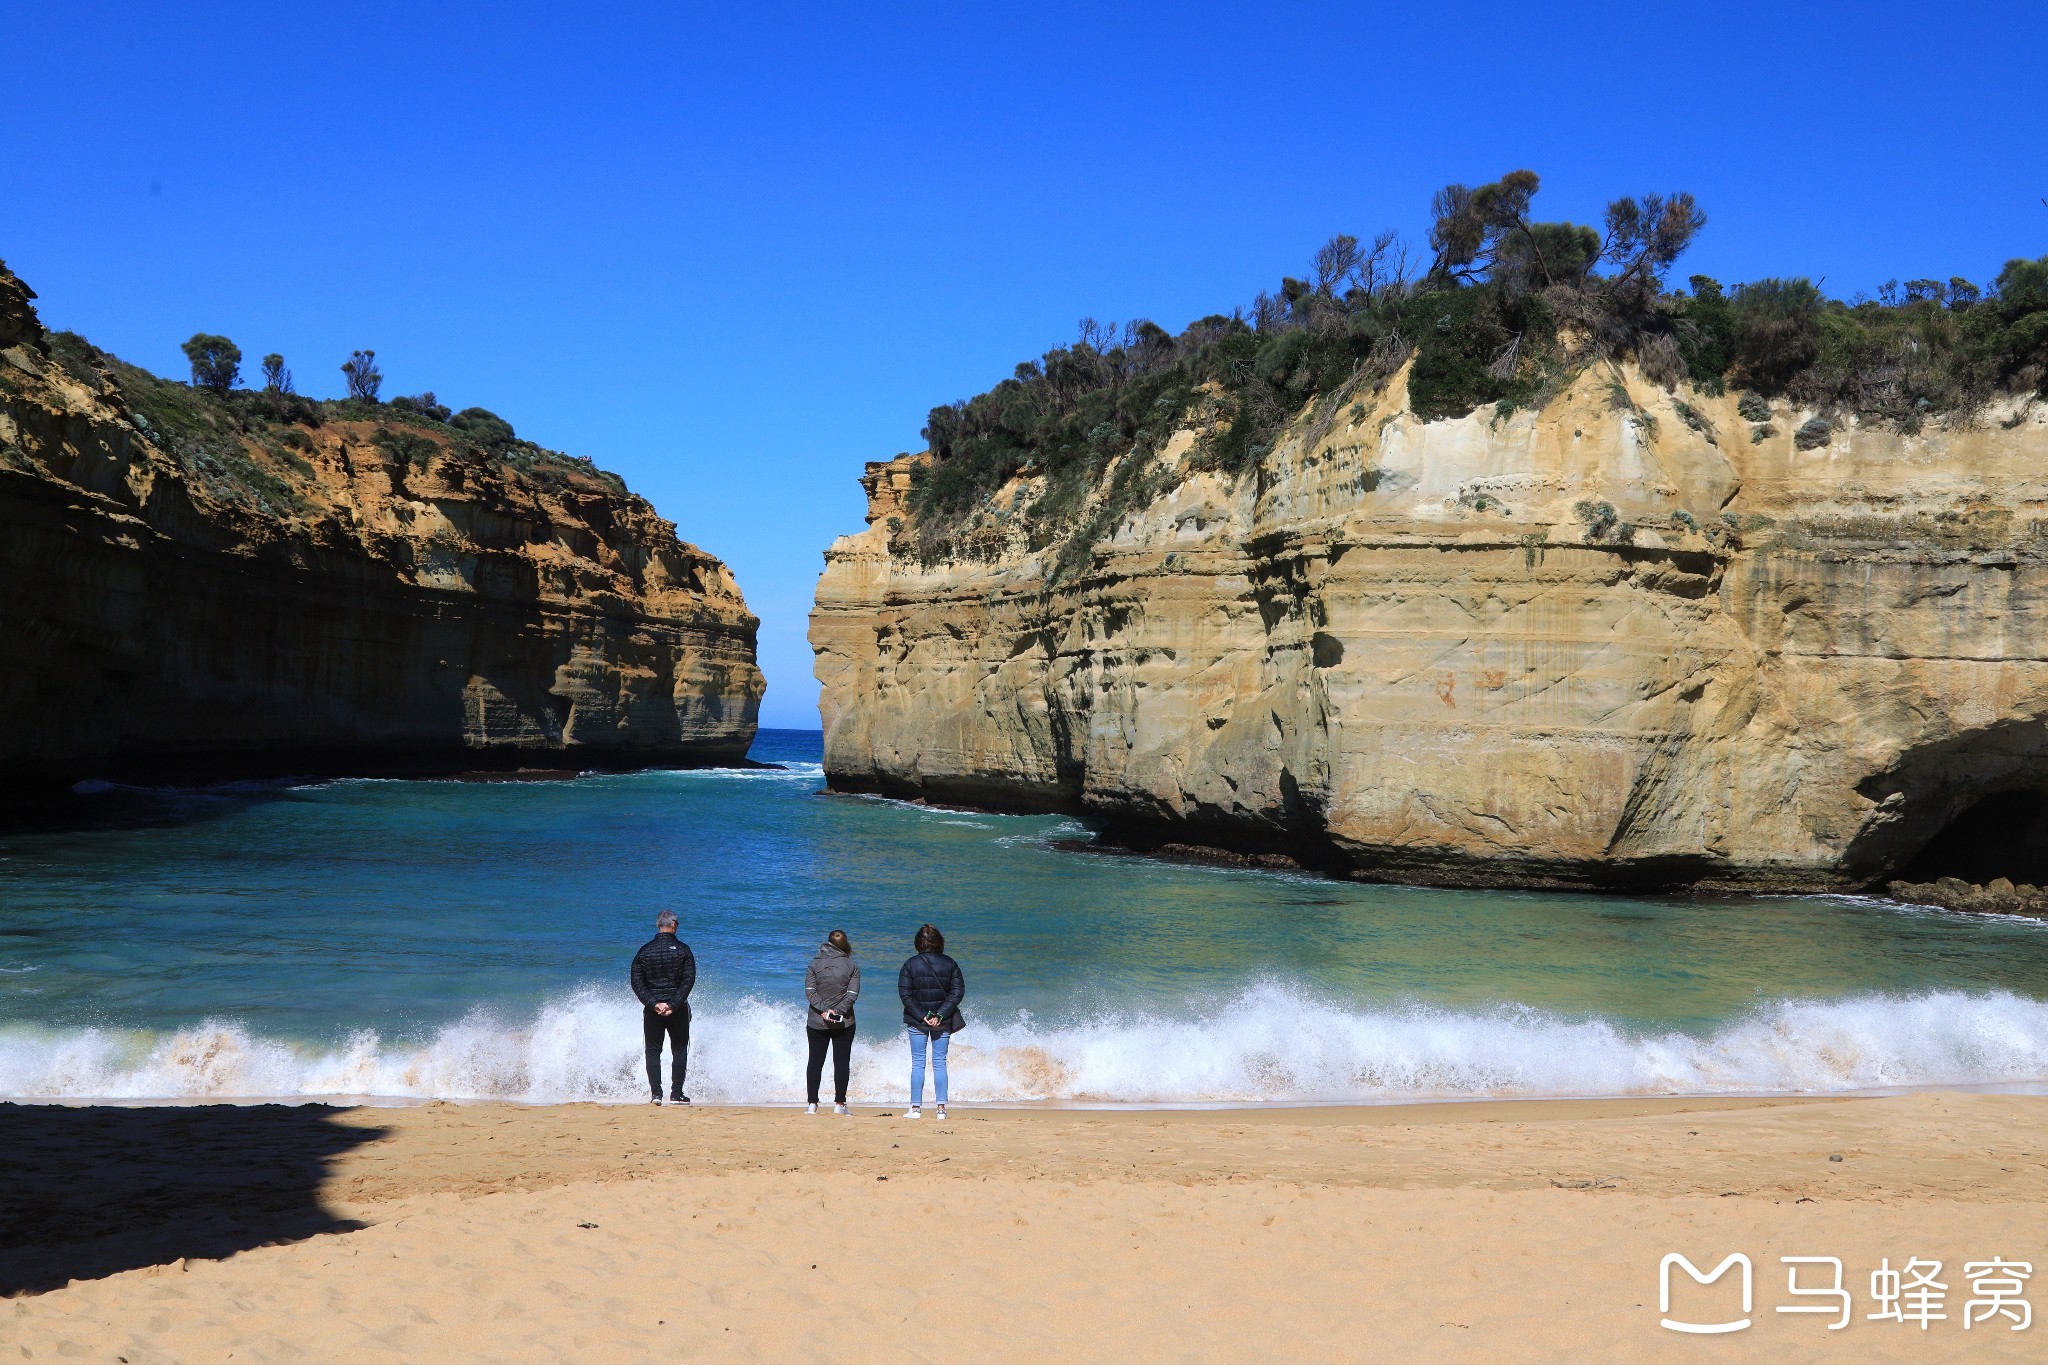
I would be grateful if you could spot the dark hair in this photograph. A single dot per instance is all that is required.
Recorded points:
(929, 939)
(838, 939)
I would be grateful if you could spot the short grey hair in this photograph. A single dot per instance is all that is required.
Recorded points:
(665, 920)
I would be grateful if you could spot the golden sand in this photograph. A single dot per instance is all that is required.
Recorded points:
(1498, 1231)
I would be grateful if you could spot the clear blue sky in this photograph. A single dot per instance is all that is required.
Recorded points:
(734, 252)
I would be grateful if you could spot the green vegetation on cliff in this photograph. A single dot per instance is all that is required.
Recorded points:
(1504, 312)
(214, 431)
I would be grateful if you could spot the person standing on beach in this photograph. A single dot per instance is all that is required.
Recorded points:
(931, 986)
(831, 985)
(664, 970)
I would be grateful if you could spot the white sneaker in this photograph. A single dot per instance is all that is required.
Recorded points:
(942, 1113)
(810, 1109)
(914, 1113)
(839, 1109)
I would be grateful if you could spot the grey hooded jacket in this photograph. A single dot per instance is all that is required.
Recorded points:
(831, 982)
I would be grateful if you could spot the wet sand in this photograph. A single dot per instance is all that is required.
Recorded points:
(1500, 1231)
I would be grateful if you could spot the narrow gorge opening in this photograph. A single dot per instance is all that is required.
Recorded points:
(2004, 834)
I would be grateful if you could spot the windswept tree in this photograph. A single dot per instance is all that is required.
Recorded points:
(216, 362)
(1486, 235)
(364, 378)
(276, 378)
(1470, 225)
(1345, 270)
(1644, 237)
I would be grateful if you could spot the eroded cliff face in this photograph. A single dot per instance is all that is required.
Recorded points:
(1427, 651)
(354, 596)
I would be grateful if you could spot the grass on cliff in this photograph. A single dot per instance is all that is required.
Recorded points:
(214, 436)
(199, 429)
(1505, 311)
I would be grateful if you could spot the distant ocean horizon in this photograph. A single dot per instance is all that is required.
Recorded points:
(406, 940)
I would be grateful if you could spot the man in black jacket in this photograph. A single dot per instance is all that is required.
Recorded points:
(664, 970)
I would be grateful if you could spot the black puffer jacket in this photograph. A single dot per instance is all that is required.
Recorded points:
(931, 984)
(664, 970)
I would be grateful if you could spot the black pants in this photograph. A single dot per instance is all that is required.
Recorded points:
(677, 1027)
(841, 1040)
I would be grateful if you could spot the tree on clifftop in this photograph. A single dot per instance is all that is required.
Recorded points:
(276, 378)
(1645, 236)
(364, 378)
(1472, 228)
(216, 362)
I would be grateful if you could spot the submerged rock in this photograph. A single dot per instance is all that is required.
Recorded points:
(2001, 897)
(196, 585)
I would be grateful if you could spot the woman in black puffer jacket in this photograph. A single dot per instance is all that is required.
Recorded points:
(931, 987)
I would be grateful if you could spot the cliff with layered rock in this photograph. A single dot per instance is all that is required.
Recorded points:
(1637, 634)
(196, 585)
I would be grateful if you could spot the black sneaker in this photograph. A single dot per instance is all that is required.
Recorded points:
(678, 1099)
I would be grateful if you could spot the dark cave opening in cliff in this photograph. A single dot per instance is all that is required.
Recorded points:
(2002, 835)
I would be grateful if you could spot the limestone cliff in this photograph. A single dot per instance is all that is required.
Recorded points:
(196, 585)
(1631, 638)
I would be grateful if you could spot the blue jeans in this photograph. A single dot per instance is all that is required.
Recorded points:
(918, 1038)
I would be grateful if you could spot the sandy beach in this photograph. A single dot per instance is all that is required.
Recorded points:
(1492, 1231)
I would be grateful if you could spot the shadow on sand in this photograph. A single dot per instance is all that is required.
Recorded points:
(87, 1192)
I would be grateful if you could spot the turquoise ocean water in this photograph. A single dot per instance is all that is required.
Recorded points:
(470, 939)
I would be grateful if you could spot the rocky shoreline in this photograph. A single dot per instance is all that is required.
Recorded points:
(2000, 897)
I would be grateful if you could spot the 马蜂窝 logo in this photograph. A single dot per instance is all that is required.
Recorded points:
(1704, 1328)
(1911, 1295)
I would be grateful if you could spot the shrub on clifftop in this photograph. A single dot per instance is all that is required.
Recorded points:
(1507, 309)
(1775, 330)
(490, 431)
(1482, 323)
(425, 404)
(2023, 307)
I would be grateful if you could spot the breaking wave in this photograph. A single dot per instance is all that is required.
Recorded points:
(786, 771)
(1272, 1044)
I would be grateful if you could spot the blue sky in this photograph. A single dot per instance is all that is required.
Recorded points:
(734, 252)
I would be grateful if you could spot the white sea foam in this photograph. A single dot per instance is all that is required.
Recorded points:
(782, 772)
(1271, 1044)
(1065, 829)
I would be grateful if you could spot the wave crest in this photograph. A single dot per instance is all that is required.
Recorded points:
(1271, 1044)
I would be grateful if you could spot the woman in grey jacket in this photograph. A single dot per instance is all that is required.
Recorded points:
(831, 984)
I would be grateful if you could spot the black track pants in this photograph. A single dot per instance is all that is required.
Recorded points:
(841, 1041)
